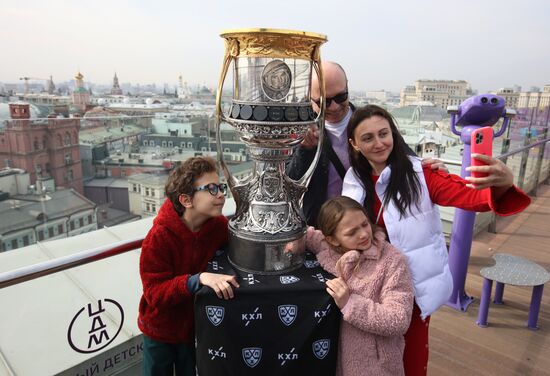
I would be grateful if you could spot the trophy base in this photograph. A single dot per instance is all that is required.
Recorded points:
(266, 258)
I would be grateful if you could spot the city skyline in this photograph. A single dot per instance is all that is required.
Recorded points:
(381, 47)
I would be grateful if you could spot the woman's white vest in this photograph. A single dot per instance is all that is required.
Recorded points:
(418, 235)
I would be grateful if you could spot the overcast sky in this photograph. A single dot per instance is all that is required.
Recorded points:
(381, 44)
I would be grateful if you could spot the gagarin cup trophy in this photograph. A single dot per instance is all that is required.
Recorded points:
(271, 110)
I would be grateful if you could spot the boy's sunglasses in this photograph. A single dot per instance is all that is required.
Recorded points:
(338, 98)
(213, 188)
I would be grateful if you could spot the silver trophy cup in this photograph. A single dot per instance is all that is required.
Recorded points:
(271, 110)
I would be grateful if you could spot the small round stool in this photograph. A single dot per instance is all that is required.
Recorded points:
(512, 270)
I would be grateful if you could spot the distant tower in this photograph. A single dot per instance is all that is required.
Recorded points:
(80, 96)
(51, 86)
(183, 90)
(116, 90)
(180, 87)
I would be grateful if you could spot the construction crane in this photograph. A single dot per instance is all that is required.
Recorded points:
(31, 78)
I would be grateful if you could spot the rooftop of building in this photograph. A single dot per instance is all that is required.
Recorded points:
(100, 134)
(22, 211)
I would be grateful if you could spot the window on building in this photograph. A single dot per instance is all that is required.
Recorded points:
(25, 240)
(170, 144)
(89, 219)
(50, 232)
(60, 229)
(81, 222)
(148, 207)
(146, 191)
(67, 139)
(145, 143)
(153, 208)
(71, 224)
(190, 145)
(14, 244)
(70, 175)
(163, 144)
(40, 235)
(134, 187)
(152, 192)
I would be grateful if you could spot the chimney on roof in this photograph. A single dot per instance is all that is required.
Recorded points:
(20, 111)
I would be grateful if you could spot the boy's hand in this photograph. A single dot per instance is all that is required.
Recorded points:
(339, 291)
(220, 283)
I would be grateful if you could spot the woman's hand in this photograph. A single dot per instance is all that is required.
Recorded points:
(220, 283)
(339, 291)
(435, 164)
(498, 174)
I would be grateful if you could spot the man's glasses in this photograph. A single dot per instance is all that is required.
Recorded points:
(213, 188)
(338, 98)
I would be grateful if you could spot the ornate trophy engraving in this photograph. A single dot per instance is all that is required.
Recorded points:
(271, 110)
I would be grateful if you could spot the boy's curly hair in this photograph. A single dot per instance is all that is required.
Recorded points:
(181, 179)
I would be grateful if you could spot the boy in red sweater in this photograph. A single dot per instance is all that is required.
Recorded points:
(186, 233)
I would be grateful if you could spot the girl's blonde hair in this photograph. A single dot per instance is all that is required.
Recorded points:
(333, 211)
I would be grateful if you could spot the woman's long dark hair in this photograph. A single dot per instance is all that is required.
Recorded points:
(404, 186)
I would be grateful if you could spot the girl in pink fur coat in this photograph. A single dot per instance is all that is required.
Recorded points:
(373, 288)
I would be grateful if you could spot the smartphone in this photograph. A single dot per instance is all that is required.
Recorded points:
(481, 143)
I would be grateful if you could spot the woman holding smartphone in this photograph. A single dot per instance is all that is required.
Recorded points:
(401, 196)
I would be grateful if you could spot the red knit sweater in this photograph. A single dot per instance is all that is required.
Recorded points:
(170, 254)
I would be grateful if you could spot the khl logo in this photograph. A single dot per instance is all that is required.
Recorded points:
(250, 279)
(217, 353)
(322, 313)
(321, 348)
(252, 356)
(215, 266)
(288, 279)
(287, 313)
(288, 356)
(248, 317)
(310, 264)
(89, 333)
(215, 314)
(320, 277)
